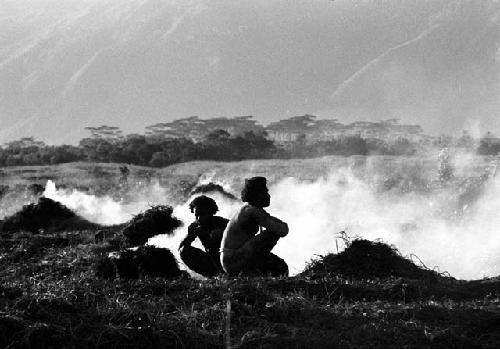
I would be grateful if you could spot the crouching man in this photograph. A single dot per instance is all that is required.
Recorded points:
(251, 235)
(209, 229)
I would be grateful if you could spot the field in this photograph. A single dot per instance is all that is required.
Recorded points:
(50, 296)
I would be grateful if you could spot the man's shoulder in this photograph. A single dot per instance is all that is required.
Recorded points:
(218, 220)
(250, 210)
(253, 208)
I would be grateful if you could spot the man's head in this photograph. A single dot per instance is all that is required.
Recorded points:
(203, 208)
(255, 192)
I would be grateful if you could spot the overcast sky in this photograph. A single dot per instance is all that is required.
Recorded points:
(66, 64)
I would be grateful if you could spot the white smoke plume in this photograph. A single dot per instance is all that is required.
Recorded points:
(104, 209)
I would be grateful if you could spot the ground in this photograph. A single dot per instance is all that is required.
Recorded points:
(50, 297)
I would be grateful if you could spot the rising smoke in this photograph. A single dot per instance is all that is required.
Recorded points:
(450, 226)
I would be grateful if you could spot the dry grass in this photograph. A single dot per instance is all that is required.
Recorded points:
(52, 298)
(155, 220)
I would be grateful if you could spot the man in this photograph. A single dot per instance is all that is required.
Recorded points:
(243, 251)
(208, 228)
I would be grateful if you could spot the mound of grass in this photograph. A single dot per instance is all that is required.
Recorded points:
(46, 214)
(145, 261)
(366, 260)
(154, 221)
(212, 187)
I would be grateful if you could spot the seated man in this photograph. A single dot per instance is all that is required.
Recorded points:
(208, 228)
(243, 250)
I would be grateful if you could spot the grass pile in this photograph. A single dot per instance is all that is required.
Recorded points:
(364, 259)
(212, 187)
(154, 221)
(47, 215)
(132, 264)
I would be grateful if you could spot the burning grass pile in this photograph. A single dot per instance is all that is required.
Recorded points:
(47, 215)
(154, 221)
(145, 261)
(364, 259)
(212, 187)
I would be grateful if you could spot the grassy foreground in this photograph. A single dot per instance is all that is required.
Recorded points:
(50, 298)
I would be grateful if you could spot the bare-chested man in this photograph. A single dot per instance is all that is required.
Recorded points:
(242, 249)
(208, 228)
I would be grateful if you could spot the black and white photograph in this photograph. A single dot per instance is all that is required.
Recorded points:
(243, 174)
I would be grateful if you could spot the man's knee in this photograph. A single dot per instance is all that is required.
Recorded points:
(278, 266)
(188, 253)
(282, 268)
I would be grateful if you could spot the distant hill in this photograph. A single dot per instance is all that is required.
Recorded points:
(66, 64)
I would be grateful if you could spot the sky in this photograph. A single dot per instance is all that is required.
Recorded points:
(66, 64)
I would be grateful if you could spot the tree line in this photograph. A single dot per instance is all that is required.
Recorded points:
(107, 144)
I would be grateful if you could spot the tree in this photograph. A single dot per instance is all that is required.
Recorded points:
(110, 133)
(217, 137)
(353, 145)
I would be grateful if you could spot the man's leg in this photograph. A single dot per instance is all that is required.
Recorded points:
(255, 249)
(199, 261)
(269, 265)
(260, 245)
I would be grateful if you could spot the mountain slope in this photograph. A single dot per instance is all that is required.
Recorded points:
(69, 64)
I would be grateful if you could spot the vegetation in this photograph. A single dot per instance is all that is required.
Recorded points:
(195, 139)
(364, 259)
(50, 297)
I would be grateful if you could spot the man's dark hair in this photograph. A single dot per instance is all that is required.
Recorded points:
(204, 201)
(253, 186)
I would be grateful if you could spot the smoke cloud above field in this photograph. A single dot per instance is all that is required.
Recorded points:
(453, 227)
(466, 245)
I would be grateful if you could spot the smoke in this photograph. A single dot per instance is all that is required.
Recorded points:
(105, 209)
(452, 226)
(466, 246)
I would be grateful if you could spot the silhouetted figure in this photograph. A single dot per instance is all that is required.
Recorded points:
(208, 228)
(124, 171)
(245, 252)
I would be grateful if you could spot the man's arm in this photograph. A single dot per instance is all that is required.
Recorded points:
(190, 237)
(269, 222)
